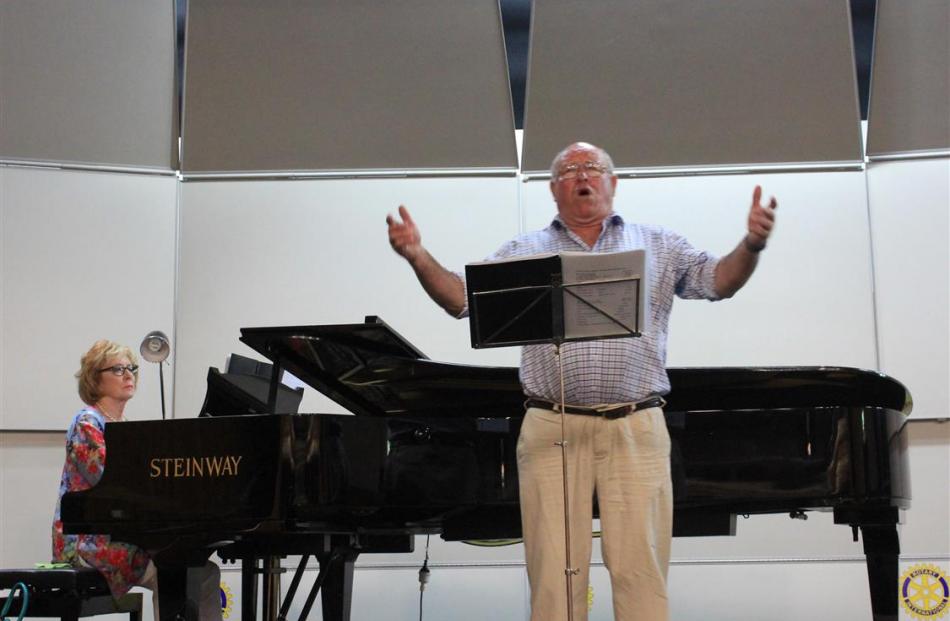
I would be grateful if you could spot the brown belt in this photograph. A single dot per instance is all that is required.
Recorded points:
(616, 412)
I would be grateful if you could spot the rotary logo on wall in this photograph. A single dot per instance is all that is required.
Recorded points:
(227, 601)
(924, 592)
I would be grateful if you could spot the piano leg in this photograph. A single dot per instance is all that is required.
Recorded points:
(336, 556)
(270, 593)
(882, 548)
(338, 586)
(249, 588)
(178, 593)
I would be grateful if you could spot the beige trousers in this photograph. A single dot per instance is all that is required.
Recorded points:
(209, 608)
(627, 462)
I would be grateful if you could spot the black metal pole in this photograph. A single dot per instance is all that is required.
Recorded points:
(161, 385)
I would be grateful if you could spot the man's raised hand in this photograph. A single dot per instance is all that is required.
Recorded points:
(404, 236)
(761, 221)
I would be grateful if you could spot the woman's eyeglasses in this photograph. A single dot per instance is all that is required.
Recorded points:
(120, 369)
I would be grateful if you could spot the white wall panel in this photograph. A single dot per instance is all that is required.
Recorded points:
(85, 256)
(925, 531)
(30, 468)
(779, 590)
(317, 252)
(3, 184)
(773, 591)
(909, 204)
(456, 593)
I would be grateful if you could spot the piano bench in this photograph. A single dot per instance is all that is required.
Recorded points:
(68, 594)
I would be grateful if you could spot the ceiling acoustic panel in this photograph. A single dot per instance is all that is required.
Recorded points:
(89, 84)
(346, 87)
(671, 85)
(909, 111)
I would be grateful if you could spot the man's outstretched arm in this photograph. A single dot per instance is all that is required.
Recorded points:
(735, 268)
(442, 285)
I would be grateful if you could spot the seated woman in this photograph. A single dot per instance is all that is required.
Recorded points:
(108, 376)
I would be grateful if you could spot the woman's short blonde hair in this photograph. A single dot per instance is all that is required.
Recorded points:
(93, 360)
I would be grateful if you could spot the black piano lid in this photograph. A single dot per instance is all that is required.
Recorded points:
(754, 388)
(370, 369)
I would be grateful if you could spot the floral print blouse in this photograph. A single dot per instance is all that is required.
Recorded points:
(122, 564)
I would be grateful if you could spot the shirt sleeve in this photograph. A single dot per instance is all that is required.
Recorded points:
(86, 450)
(695, 270)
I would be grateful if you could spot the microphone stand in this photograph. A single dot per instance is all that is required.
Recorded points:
(569, 572)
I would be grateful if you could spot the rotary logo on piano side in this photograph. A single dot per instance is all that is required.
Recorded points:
(924, 592)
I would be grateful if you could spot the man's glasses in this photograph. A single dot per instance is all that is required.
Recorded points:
(591, 169)
(120, 369)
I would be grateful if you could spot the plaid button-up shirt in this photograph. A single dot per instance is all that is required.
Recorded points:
(622, 369)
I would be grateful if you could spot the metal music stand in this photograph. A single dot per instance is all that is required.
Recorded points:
(555, 299)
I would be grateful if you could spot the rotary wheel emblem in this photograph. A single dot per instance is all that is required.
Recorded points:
(924, 592)
(227, 601)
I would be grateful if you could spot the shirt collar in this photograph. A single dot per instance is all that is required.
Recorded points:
(614, 219)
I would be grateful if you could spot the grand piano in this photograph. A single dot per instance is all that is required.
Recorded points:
(430, 448)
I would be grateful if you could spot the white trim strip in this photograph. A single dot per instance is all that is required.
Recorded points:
(164, 172)
(736, 169)
(909, 155)
(352, 174)
(594, 563)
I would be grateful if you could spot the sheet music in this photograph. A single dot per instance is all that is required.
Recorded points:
(614, 287)
(518, 257)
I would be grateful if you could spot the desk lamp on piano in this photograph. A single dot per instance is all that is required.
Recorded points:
(431, 449)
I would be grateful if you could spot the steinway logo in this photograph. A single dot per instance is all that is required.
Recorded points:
(176, 467)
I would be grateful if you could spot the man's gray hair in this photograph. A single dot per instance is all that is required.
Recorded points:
(556, 163)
